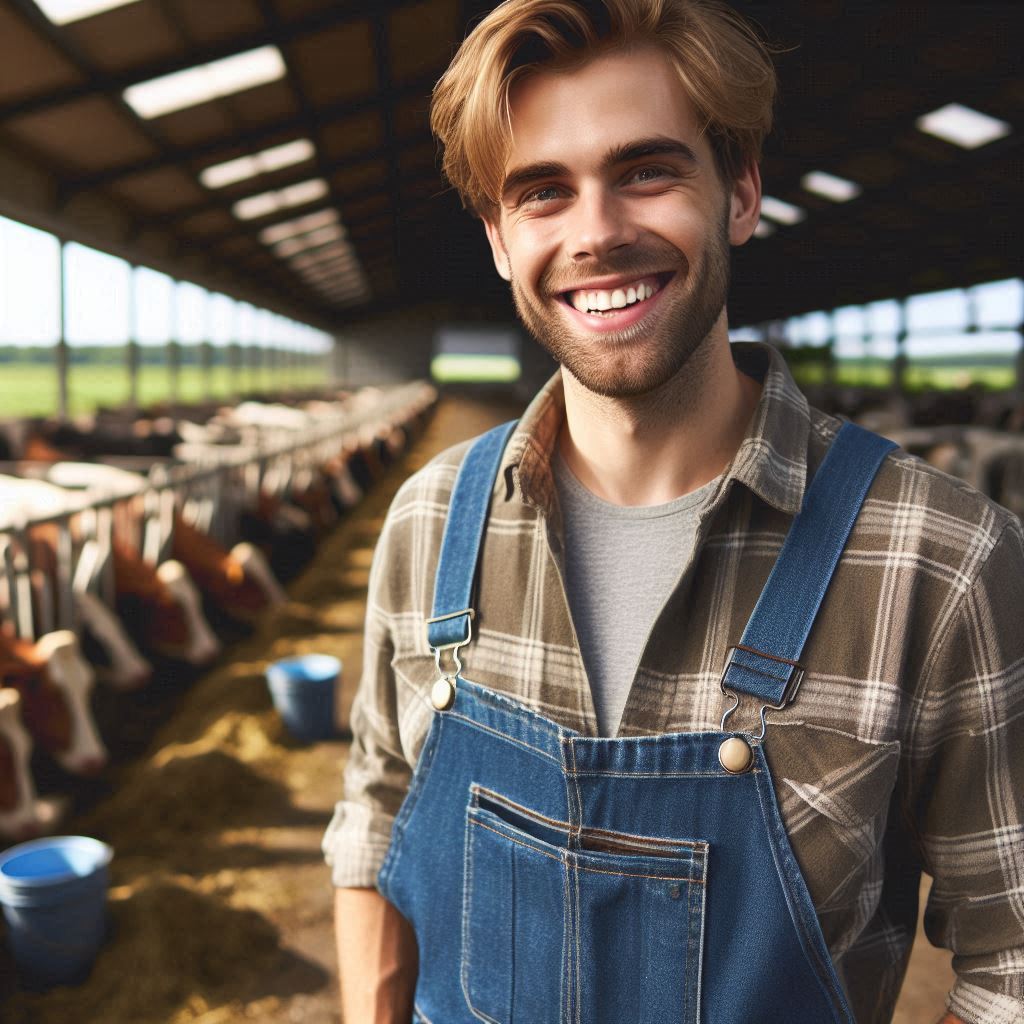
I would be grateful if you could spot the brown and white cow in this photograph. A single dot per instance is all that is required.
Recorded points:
(23, 814)
(20, 501)
(238, 581)
(54, 682)
(159, 606)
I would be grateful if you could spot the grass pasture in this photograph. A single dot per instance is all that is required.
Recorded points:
(917, 376)
(30, 389)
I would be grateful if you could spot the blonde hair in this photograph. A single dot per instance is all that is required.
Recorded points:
(722, 64)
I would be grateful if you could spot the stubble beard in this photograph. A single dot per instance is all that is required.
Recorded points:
(643, 357)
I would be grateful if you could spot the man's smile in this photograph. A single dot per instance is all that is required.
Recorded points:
(614, 303)
(600, 298)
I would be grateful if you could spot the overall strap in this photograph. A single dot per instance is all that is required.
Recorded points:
(765, 663)
(449, 625)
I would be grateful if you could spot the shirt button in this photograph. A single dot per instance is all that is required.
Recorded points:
(442, 694)
(735, 755)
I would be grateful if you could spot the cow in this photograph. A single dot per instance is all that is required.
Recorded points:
(123, 667)
(239, 581)
(19, 805)
(160, 604)
(54, 682)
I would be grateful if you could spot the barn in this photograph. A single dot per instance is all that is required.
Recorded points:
(241, 305)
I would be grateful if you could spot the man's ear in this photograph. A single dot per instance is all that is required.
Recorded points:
(745, 204)
(498, 247)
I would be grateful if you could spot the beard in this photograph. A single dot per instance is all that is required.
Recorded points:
(644, 356)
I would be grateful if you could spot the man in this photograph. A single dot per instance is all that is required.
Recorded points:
(696, 863)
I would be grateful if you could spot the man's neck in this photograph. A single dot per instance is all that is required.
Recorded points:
(657, 447)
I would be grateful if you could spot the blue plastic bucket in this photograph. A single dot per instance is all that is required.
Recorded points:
(303, 692)
(54, 896)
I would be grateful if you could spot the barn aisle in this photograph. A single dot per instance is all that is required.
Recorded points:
(220, 899)
(221, 902)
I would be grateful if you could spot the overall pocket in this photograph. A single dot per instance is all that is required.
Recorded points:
(608, 932)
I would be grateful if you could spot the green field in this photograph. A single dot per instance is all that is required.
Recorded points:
(28, 389)
(917, 377)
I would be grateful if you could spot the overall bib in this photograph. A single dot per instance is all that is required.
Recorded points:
(553, 878)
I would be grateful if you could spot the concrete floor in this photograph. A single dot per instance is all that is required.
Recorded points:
(220, 900)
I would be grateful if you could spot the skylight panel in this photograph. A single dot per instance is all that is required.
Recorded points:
(269, 202)
(63, 12)
(781, 212)
(830, 186)
(228, 173)
(205, 82)
(299, 243)
(300, 225)
(306, 192)
(963, 126)
(328, 254)
(268, 160)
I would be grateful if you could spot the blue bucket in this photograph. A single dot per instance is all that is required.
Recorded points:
(54, 896)
(303, 692)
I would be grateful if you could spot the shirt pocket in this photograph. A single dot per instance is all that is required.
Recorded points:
(608, 932)
(834, 793)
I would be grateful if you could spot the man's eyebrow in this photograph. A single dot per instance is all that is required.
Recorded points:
(639, 149)
(656, 145)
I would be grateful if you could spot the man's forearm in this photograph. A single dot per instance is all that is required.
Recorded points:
(377, 959)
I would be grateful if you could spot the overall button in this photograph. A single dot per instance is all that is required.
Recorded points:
(735, 755)
(442, 694)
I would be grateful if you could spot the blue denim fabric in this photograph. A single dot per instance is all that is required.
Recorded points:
(553, 878)
(460, 545)
(792, 595)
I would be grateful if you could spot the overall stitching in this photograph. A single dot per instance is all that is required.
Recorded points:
(502, 735)
(467, 899)
(565, 982)
(563, 826)
(569, 857)
(579, 971)
(698, 908)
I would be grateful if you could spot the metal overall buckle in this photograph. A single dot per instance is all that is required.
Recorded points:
(796, 677)
(442, 693)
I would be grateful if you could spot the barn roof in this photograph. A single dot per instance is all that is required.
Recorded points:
(336, 120)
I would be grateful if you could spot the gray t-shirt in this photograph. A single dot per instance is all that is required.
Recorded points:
(621, 564)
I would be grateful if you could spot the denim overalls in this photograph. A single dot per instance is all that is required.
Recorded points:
(553, 878)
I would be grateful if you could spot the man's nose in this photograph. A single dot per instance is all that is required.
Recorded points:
(598, 224)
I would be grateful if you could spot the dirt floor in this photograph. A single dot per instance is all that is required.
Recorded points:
(220, 900)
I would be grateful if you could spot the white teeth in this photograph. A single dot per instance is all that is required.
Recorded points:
(619, 298)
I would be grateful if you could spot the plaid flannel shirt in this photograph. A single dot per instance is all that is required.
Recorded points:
(901, 753)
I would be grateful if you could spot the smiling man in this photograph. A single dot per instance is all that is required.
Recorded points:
(674, 688)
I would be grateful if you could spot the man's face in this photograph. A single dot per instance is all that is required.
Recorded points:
(614, 227)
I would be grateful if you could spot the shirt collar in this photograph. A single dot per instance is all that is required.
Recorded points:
(771, 460)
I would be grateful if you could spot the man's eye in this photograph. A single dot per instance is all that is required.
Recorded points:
(643, 175)
(541, 195)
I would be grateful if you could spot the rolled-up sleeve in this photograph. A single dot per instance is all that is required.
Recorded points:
(968, 793)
